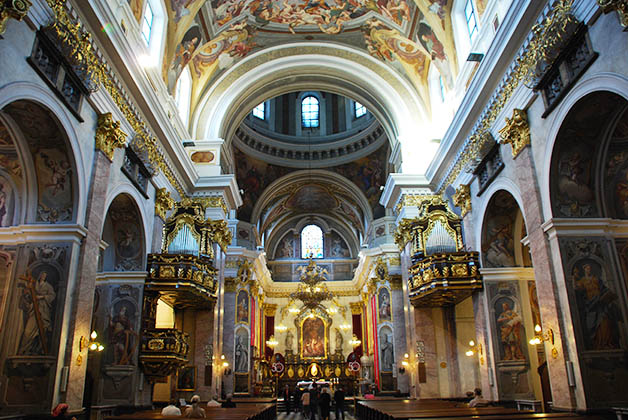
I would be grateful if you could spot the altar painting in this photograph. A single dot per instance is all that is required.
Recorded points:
(313, 338)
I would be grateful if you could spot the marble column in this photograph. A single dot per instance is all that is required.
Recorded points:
(549, 303)
(83, 299)
(481, 334)
(426, 333)
(203, 337)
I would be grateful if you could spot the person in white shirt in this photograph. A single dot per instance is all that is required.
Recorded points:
(171, 410)
(213, 403)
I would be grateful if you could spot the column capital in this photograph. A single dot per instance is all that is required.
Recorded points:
(462, 199)
(516, 132)
(15, 9)
(163, 202)
(109, 135)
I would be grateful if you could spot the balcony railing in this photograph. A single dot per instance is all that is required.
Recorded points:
(182, 280)
(444, 279)
(163, 351)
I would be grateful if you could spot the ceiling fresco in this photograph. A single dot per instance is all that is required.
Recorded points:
(368, 173)
(212, 36)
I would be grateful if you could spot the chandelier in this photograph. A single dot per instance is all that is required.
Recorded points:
(312, 291)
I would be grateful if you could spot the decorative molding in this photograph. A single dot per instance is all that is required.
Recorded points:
(163, 202)
(356, 308)
(230, 284)
(396, 282)
(15, 9)
(536, 54)
(462, 199)
(516, 132)
(76, 40)
(619, 6)
(109, 135)
(270, 309)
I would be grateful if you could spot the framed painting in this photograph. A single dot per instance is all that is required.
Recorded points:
(186, 379)
(313, 338)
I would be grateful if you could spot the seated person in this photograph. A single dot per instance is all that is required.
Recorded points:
(195, 412)
(478, 400)
(171, 409)
(213, 403)
(228, 403)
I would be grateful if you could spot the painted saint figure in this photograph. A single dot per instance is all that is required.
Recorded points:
(600, 310)
(243, 307)
(36, 303)
(384, 305)
(510, 331)
(122, 337)
(313, 338)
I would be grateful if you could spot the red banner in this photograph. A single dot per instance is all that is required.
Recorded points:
(375, 343)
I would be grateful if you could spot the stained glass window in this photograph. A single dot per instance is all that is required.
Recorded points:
(309, 111)
(311, 242)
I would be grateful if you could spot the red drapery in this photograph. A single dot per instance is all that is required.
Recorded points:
(270, 330)
(357, 330)
(253, 313)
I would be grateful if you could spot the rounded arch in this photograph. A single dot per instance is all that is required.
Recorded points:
(44, 97)
(308, 66)
(144, 206)
(502, 229)
(127, 240)
(608, 82)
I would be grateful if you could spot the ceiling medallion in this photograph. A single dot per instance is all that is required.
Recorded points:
(312, 291)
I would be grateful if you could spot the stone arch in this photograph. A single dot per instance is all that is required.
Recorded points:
(124, 235)
(305, 66)
(608, 82)
(503, 227)
(43, 97)
(45, 149)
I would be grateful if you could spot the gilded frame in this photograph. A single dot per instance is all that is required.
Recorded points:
(237, 307)
(325, 338)
(183, 387)
(379, 319)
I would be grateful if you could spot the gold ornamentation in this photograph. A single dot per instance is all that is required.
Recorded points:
(230, 284)
(356, 308)
(166, 271)
(462, 199)
(163, 202)
(155, 344)
(15, 9)
(337, 371)
(109, 136)
(546, 36)
(516, 132)
(270, 309)
(311, 290)
(76, 39)
(394, 261)
(395, 282)
(619, 6)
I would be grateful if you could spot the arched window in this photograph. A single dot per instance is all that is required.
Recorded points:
(183, 95)
(153, 29)
(311, 242)
(359, 109)
(471, 18)
(309, 112)
(260, 111)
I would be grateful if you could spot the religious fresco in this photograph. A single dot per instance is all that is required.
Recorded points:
(338, 247)
(242, 307)
(437, 53)
(52, 163)
(123, 339)
(123, 231)
(30, 340)
(219, 54)
(329, 18)
(183, 54)
(534, 303)
(6, 265)
(498, 248)
(9, 159)
(616, 171)
(285, 249)
(599, 314)
(313, 338)
(391, 46)
(572, 177)
(7, 201)
(384, 311)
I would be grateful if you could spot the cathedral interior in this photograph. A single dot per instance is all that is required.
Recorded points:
(405, 199)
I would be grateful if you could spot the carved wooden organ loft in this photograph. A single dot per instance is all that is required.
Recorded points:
(442, 272)
(183, 275)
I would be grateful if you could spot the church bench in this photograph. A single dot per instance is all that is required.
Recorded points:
(246, 412)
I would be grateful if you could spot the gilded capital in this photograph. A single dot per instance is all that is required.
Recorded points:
(15, 9)
(619, 6)
(163, 202)
(220, 233)
(403, 233)
(109, 136)
(516, 132)
(356, 308)
(462, 199)
(270, 309)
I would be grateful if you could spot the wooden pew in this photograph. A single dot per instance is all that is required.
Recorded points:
(249, 411)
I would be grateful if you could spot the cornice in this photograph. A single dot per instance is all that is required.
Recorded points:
(586, 227)
(22, 234)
